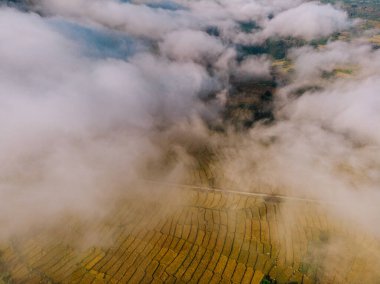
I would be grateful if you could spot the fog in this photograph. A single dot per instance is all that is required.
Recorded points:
(95, 94)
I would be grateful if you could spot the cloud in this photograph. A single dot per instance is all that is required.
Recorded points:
(139, 20)
(308, 21)
(311, 63)
(323, 144)
(253, 67)
(191, 45)
(94, 94)
(77, 126)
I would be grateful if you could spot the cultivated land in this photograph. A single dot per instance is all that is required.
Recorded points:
(212, 237)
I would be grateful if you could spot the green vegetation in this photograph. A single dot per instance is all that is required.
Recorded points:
(366, 9)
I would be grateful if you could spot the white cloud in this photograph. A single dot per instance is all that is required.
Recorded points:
(191, 45)
(253, 67)
(75, 126)
(309, 20)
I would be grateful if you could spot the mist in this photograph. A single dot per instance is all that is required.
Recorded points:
(98, 96)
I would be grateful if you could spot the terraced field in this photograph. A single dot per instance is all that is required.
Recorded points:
(204, 236)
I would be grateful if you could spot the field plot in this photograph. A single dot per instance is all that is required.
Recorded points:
(211, 237)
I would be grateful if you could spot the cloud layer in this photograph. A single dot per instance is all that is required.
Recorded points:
(94, 92)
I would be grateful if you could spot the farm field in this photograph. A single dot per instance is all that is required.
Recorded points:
(209, 237)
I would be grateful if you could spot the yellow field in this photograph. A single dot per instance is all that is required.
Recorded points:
(208, 237)
(375, 40)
